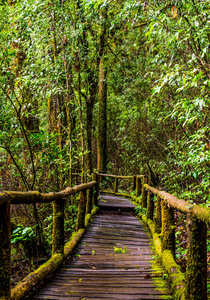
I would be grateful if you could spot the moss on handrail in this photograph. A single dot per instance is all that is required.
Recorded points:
(116, 176)
(176, 277)
(36, 197)
(202, 213)
(23, 287)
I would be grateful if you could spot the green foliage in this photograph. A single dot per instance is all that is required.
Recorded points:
(120, 250)
(22, 235)
(24, 238)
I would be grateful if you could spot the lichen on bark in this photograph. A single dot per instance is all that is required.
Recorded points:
(168, 227)
(196, 275)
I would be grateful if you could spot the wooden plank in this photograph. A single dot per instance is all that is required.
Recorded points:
(97, 272)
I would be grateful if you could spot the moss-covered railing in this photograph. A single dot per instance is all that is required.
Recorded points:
(59, 250)
(191, 285)
(136, 183)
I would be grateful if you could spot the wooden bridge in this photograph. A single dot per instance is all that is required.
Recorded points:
(114, 258)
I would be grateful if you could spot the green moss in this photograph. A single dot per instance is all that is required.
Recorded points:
(160, 282)
(22, 288)
(202, 213)
(196, 276)
(168, 228)
(144, 198)
(176, 278)
(157, 219)
(150, 206)
(81, 210)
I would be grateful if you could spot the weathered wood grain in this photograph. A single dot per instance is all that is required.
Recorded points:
(98, 272)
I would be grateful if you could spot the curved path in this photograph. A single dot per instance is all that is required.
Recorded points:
(99, 271)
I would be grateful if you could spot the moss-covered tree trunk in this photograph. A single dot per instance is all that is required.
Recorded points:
(62, 135)
(102, 98)
(102, 120)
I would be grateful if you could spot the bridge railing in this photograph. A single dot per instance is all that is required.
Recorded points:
(160, 217)
(198, 220)
(135, 179)
(59, 250)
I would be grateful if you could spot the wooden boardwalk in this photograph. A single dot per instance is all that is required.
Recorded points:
(98, 271)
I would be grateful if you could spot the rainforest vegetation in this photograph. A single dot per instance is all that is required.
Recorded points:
(120, 87)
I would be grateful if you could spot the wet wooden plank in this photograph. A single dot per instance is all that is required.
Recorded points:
(98, 272)
(115, 203)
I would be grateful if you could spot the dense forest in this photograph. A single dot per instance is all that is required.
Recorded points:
(119, 87)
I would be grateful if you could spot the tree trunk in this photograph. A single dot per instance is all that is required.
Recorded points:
(102, 99)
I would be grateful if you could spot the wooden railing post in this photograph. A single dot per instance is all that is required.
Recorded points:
(150, 205)
(5, 251)
(58, 227)
(134, 183)
(96, 193)
(81, 210)
(168, 228)
(158, 218)
(144, 193)
(196, 274)
(89, 201)
(138, 186)
(115, 185)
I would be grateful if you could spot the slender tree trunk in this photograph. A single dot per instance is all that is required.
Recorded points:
(102, 100)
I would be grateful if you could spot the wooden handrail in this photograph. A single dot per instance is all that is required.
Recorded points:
(198, 218)
(59, 251)
(115, 176)
(201, 213)
(36, 197)
(135, 183)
